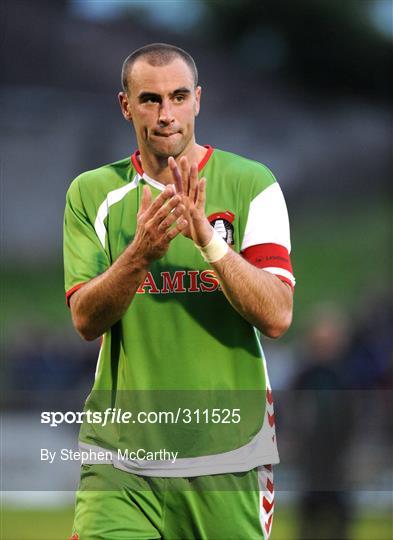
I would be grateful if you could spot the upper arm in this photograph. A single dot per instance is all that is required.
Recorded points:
(266, 241)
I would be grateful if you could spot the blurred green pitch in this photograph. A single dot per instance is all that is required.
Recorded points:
(56, 525)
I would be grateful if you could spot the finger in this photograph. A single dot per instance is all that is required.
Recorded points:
(180, 227)
(172, 217)
(200, 202)
(168, 208)
(185, 173)
(193, 181)
(160, 201)
(146, 199)
(176, 174)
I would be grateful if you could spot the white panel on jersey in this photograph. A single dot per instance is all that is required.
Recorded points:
(268, 221)
(113, 197)
(153, 182)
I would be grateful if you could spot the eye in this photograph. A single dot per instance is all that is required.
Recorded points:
(179, 98)
(150, 99)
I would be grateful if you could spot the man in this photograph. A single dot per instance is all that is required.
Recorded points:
(177, 272)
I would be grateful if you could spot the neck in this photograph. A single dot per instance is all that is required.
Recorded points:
(157, 167)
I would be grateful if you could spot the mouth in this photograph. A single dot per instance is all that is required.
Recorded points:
(165, 134)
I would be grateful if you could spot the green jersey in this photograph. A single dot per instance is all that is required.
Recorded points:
(180, 348)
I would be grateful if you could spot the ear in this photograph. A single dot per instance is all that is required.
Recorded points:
(198, 92)
(125, 106)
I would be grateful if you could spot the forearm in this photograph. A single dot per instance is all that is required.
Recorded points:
(101, 302)
(260, 297)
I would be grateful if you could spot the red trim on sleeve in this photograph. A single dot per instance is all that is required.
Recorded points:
(266, 255)
(138, 166)
(270, 255)
(286, 280)
(71, 292)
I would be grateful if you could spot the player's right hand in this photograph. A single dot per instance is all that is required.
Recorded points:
(158, 223)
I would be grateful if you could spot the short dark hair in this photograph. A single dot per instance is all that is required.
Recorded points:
(157, 54)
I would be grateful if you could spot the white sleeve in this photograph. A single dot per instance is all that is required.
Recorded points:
(268, 221)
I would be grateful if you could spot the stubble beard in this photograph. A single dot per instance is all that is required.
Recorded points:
(174, 150)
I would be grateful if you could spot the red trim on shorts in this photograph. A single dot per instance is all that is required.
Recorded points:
(138, 166)
(268, 505)
(71, 292)
(268, 524)
(266, 494)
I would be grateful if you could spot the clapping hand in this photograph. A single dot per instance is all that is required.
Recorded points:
(193, 196)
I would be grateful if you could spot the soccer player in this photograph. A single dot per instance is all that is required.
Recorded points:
(178, 257)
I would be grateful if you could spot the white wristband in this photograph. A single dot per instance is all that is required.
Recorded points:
(215, 249)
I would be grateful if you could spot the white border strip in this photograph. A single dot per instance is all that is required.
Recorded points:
(280, 272)
(112, 198)
(263, 475)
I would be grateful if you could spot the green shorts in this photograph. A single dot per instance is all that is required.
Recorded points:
(115, 505)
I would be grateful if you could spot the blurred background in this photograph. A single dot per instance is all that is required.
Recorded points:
(302, 86)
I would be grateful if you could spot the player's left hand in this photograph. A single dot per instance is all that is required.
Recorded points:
(193, 193)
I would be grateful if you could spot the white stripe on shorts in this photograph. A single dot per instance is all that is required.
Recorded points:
(266, 499)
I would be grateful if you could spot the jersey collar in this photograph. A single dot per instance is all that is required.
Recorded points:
(138, 166)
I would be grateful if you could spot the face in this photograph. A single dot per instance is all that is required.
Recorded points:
(162, 104)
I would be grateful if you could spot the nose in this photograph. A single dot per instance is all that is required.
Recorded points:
(165, 115)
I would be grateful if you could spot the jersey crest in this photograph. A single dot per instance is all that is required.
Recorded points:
(222, 222)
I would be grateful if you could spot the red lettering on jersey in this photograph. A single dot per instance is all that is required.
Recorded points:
(174, 284)
(209, 281)
(193, 274)
(149, 282)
